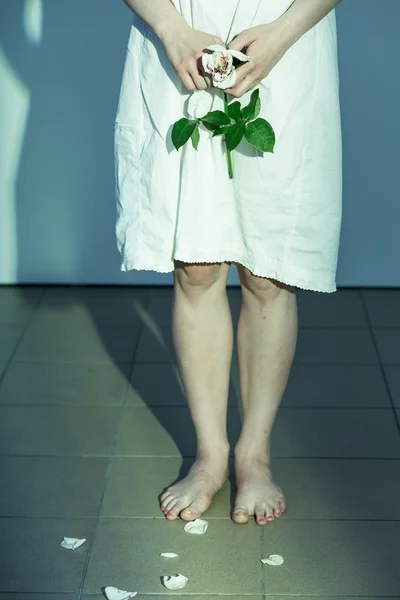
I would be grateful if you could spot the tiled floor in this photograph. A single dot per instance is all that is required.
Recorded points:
(94, 424)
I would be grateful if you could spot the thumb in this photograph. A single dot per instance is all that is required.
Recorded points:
(240, 42)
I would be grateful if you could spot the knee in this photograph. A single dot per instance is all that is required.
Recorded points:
(199, 276)
(266, 290)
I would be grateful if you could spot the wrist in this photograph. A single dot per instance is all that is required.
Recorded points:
(169, 28)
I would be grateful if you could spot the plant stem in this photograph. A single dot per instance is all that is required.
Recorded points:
(228, 152)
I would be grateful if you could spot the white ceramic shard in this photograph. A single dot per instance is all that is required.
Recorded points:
(114, 593)
(198, 526)
(72, 543)
(275, 560)
(175, 582)
(169, 554)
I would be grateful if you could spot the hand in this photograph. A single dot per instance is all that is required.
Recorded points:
(264, 45)
(184, 48)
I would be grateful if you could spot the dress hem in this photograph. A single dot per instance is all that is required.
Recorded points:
(329, 287)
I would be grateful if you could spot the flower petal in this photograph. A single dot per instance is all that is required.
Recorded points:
(226, 83)
(217, 48)
(239, 55)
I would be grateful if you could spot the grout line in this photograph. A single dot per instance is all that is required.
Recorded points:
(381, 365)
(107, 475)
(189, 456)
(232, 405)
(24, 328)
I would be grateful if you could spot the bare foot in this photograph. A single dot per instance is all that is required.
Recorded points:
(257, 494)
(192, 496)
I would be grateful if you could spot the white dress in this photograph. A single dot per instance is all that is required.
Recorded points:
(280, 216)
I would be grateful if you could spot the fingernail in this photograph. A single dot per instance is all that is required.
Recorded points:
(188, 512)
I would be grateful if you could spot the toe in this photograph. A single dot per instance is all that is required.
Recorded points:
(240, 515)
(269, 513)
(277, 512)
(260, 515)
(170, 505)
(282, 505)
(164, 497)
(196, 508)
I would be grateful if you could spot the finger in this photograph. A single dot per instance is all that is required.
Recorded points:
(240, 42)
(245, 86)
(205, 75)
(198, 79)
(242, 72)
(187, 80)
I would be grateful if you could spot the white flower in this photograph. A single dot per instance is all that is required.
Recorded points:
(219, 64)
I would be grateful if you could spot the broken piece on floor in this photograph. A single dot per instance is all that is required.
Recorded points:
(198, 526)
(114, 593)
(275, 560)
(174, 582)
(169, 554)
(72, 543)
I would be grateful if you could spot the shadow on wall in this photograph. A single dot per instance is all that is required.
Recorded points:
(65, 194)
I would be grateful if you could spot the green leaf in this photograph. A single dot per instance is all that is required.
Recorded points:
(217, 117)
(196, 136)
(259, 133)
(252, 110)
(235, 135)
(210, 127)
(222, 130)
(182, 131)
(234, 111)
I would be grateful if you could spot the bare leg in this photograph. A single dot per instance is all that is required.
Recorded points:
(267, 336)
(203, 340)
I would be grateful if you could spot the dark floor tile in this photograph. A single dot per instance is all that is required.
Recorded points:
(10, 336)
(51, 486)
(59, 430)
(335, 433)
(121, 310)
(163, 431)
(65, 383)
(77, 344)
(341, 309)
(159, 384)
(134, 486)
(393, 378)
(324, 558)
(41, 596)
(18, 304)
(338, 386)
(339, 488)
(383, 307)
(35, 560)
(223, 561)
(388, 341)
(335, 346)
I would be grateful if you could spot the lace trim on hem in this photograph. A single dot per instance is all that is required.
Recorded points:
(128, 265)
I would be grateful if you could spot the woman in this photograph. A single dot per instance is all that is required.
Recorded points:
(278, 220)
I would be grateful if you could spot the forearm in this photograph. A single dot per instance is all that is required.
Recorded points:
(302, 15)
(160, 15)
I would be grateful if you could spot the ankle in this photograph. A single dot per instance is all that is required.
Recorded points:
(252, 454)
(214, 453)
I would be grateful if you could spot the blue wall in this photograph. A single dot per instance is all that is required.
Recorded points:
(58, 93)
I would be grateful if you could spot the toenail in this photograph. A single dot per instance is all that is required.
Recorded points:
(170, 514)
(188, 512)
(270, 518)
(278, 514)
(262, 520)
(240, 514)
